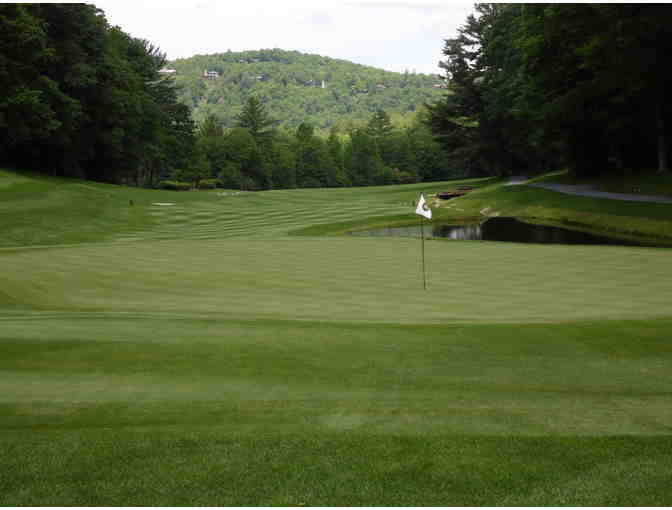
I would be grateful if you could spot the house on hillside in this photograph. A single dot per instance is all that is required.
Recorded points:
(167, 72)
(210, 74)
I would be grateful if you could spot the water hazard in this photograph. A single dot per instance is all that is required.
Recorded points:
(501, 229)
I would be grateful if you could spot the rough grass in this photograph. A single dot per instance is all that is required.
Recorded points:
(202, 466)
(196, 354)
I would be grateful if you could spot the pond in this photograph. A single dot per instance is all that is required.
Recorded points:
(501, 229)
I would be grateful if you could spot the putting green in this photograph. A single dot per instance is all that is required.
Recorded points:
(343, 279)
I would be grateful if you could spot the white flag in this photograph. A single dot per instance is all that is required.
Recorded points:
(423, 209)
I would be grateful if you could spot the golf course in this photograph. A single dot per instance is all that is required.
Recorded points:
(227, 348)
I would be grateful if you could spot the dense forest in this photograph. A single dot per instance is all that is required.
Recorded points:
(297, 88)
(537, 87)
(83, 99)
(531, 88)
(253, 154)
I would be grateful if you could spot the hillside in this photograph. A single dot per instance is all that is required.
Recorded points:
(298, 87)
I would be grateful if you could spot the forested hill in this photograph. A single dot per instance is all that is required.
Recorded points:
(297, 87)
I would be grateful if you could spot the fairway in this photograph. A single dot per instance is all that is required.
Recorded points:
(204, 354)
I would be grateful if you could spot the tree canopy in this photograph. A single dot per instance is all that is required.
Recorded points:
(83, 99)
(549, 86)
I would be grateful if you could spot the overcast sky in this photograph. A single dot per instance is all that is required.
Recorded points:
(396, 35)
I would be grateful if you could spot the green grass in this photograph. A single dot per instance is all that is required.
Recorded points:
(204, 354)
(204, 466)
(644, 183)
(342, 279)
(49, 211)
(646, 222)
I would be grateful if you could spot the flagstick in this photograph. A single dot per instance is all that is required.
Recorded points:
(423, 210)
(422, 236)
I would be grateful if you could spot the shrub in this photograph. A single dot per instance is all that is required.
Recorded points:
(209, 184)
(175, 185)
(248, 184)
(406, 178)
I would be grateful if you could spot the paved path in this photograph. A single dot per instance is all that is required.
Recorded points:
(586, 190)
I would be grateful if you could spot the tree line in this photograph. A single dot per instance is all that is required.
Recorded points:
(540, 87)
(255, 154)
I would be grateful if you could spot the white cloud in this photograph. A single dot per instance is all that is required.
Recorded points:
(394, 35)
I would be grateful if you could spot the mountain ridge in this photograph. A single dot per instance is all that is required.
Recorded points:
(299, 87)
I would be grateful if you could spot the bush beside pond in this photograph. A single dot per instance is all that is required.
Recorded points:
(175, 185)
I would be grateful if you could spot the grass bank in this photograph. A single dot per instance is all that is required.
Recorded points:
(647, 222)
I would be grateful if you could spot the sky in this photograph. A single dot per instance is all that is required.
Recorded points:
(396, 35)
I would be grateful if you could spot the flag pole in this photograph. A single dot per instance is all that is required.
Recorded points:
(424, 212)
(422, 237)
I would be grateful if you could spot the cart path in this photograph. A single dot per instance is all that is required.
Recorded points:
(586, 190)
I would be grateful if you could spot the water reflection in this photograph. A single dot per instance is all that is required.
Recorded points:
(460, 232)
(500, 229)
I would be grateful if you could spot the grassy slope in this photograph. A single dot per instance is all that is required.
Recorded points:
(637, 220)
(631, 182)
(44, 211)
(197, 355)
